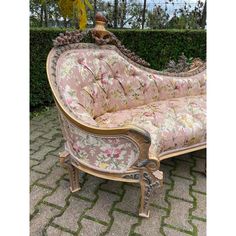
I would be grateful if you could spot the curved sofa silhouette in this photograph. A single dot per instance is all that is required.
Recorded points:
(119, 118)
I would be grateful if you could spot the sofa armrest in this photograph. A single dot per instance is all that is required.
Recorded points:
(92, 144)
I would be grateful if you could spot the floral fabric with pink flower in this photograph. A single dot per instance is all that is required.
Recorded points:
(103, 89)
(104, 153)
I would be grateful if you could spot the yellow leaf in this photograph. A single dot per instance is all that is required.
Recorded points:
(66, 8)
(88, 5)
(82, 14)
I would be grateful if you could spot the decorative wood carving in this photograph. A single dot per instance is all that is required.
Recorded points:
(132, 176)
(149, 180)
(103, 37)
(70, 37)
(64, 158)
(183, 66)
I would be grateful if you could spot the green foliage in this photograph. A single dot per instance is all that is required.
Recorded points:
(157, 47)
(40, 45)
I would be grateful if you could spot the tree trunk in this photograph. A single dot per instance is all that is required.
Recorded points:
(64, 22)
(76, 22)
(203, 19)
(115, 15)
(144, 12)
(95, 11)
(41, 16)
(45, 14)
(123, 13)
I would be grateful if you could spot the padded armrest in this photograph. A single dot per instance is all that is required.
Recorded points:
(114, 152)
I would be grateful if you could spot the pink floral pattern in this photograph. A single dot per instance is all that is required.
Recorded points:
(104, 153)
(172, 124)
(102, 81)
(101, 88)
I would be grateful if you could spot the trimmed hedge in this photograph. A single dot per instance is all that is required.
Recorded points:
(155, 46)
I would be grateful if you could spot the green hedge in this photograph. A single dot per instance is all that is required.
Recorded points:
(155, 46)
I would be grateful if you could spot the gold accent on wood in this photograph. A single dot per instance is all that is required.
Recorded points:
(183, 151)
(105, 175)
(196, 64)
(100, 25)
(146, 169)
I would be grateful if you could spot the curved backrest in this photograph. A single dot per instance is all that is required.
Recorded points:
(101, 79)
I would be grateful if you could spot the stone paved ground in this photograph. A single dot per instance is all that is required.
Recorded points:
(105, 207)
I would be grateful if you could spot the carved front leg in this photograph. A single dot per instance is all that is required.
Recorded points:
(73, 171)
(148, 181)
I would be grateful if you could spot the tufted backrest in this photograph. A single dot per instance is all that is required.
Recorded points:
(101, 80)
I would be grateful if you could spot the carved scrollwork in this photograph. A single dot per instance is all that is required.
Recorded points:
(135, 176)
(70, 37)
(183, 65)
(110, 38)
(152, 165)
(101, 37)
(149, 182)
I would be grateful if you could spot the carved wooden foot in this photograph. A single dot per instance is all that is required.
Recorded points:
(149, 181)
(73, 171)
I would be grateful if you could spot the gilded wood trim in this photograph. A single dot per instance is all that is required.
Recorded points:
(106, 175)
(182, 151)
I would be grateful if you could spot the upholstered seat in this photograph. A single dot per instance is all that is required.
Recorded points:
(119, 118)
(173, 124)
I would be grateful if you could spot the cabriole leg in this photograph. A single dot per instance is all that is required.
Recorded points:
(73, 171)
(149, 181)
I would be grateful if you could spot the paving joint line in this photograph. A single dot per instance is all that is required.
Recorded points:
(167, 200)
(200, 192)
(199, 218)
(67, 203)
(95, 220)
(41, 201)
(195, 230)
(178, 229)
(88, 208)
(183, 177)
(110, 213)
(62, 229)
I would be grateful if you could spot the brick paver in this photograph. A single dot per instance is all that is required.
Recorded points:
(151, 226)
(69, 219)
(104, 207)
(130, 200)
(122, 223)
(91, 228)
(181, 188)
(58, 197)
(179, 214)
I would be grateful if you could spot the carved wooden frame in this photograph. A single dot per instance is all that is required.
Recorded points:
(145, 170)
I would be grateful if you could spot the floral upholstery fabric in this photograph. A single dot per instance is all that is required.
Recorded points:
(172, 124)
(102, 81)
(112, 154)
(102, 89)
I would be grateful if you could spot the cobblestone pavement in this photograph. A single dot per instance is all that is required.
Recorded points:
(105, 207)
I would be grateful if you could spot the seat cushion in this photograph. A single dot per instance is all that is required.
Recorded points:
(173, 124)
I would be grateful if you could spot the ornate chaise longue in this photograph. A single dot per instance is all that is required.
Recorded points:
(119, 118)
